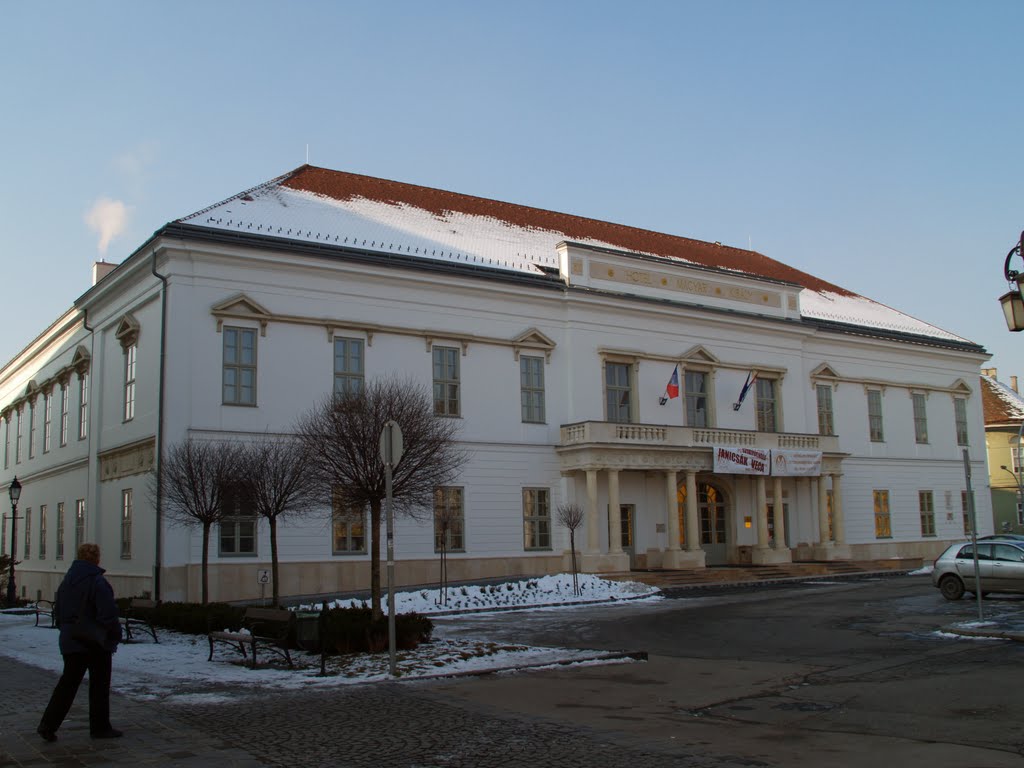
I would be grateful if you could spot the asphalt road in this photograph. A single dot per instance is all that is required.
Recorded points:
(841, 674)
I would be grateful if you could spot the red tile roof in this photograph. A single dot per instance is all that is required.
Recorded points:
(343, 186)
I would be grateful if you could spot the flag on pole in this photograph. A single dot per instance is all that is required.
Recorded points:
(672, 388)
(751, 378)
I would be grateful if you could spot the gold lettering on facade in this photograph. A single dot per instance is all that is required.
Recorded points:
(688, 285)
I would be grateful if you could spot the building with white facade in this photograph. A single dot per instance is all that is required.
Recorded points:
(587, 362)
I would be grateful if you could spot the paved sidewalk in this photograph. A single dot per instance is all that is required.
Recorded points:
(152, 736)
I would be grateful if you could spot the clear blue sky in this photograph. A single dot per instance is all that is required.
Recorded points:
(878, 145)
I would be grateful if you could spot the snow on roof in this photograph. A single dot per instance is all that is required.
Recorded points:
(1000, 404)
(337, 208)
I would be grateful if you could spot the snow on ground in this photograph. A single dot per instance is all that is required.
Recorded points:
(177, 671)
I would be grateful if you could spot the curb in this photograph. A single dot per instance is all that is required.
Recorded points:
(610, 656)
(993, 633)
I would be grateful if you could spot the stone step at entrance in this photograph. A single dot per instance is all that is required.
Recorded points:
(746, 574)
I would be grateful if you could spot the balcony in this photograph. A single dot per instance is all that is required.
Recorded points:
(591, 433)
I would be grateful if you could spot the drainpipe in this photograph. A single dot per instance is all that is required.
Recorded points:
(158, 563)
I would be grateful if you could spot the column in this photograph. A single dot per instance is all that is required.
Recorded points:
(614, 514)
(671, 511)
(593, 541)
(778, 513)
(838, 526)
(761, 512)
(692, 513)
(823, 537)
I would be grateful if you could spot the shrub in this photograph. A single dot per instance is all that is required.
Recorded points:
(191, 618)
(353, 630)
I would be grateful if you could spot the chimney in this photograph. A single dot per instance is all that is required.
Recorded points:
(101, 269)
(990, 372)
(1013, 384)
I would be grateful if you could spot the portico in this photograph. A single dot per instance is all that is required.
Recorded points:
(685, 514)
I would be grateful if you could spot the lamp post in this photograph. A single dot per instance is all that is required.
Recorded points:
(15, 491)
(1012, 301)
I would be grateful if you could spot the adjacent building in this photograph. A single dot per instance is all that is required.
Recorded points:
(1004, 423)
(703, 404)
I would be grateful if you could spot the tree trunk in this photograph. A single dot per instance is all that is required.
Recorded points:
(375, 559)
(273, 558)
(206, 563)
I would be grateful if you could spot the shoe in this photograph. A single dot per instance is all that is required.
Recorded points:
(47, 735)
(110, 733)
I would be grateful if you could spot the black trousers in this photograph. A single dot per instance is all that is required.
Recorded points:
(75, 665)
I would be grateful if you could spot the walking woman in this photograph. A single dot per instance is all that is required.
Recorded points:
(89, 633)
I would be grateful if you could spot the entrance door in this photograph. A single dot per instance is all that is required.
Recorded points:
(714, 537)
(626, 515)
(771, 524)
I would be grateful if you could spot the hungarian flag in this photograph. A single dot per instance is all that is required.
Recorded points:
(672, 388)
(751, 378)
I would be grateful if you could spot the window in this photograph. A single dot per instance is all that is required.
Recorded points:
(696, 386)
(348, 366)
(79, 523)
(239, 366)
(3, 534)
(64, 413)
(17, 439)
(32, 429)
(42, 532)
(348, 529)
(238, 526)
(126, 524)
(618, 392)
(28, 533)
(883, 524)
(130, 356)
(59, 553)
(926, 504)
(446, 381)
(449, 519)
(1015, 458)
(960, 415)
(767, 414)
(83, 406)
(826, 424)
(1007, 553)
(920, 418)
(875, 416)
(831, 525)
(536, 518)
(7, 441)
(531, 388)
(47, 421)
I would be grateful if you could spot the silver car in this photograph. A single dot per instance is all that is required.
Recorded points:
(1000, 566)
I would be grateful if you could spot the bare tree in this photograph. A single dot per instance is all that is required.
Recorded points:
(446, 516)
(342, 440)
(274, 477)
(571, 516)
(193, 479)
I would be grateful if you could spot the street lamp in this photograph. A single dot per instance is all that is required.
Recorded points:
(1012, 301)
(15, 491)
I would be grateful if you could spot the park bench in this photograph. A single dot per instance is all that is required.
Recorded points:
(45, 608)
(138, 617)
(267, 628)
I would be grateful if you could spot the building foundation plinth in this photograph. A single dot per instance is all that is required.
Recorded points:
(602, 562)
(681, 559)
(769, 556)
(830, 551)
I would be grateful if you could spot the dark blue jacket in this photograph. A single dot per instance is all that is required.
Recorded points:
(85, 580)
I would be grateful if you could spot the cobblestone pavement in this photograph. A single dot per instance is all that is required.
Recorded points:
(153, 735)
(400, 725)
(410, 725)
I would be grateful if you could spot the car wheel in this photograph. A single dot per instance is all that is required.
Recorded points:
(951, 588)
